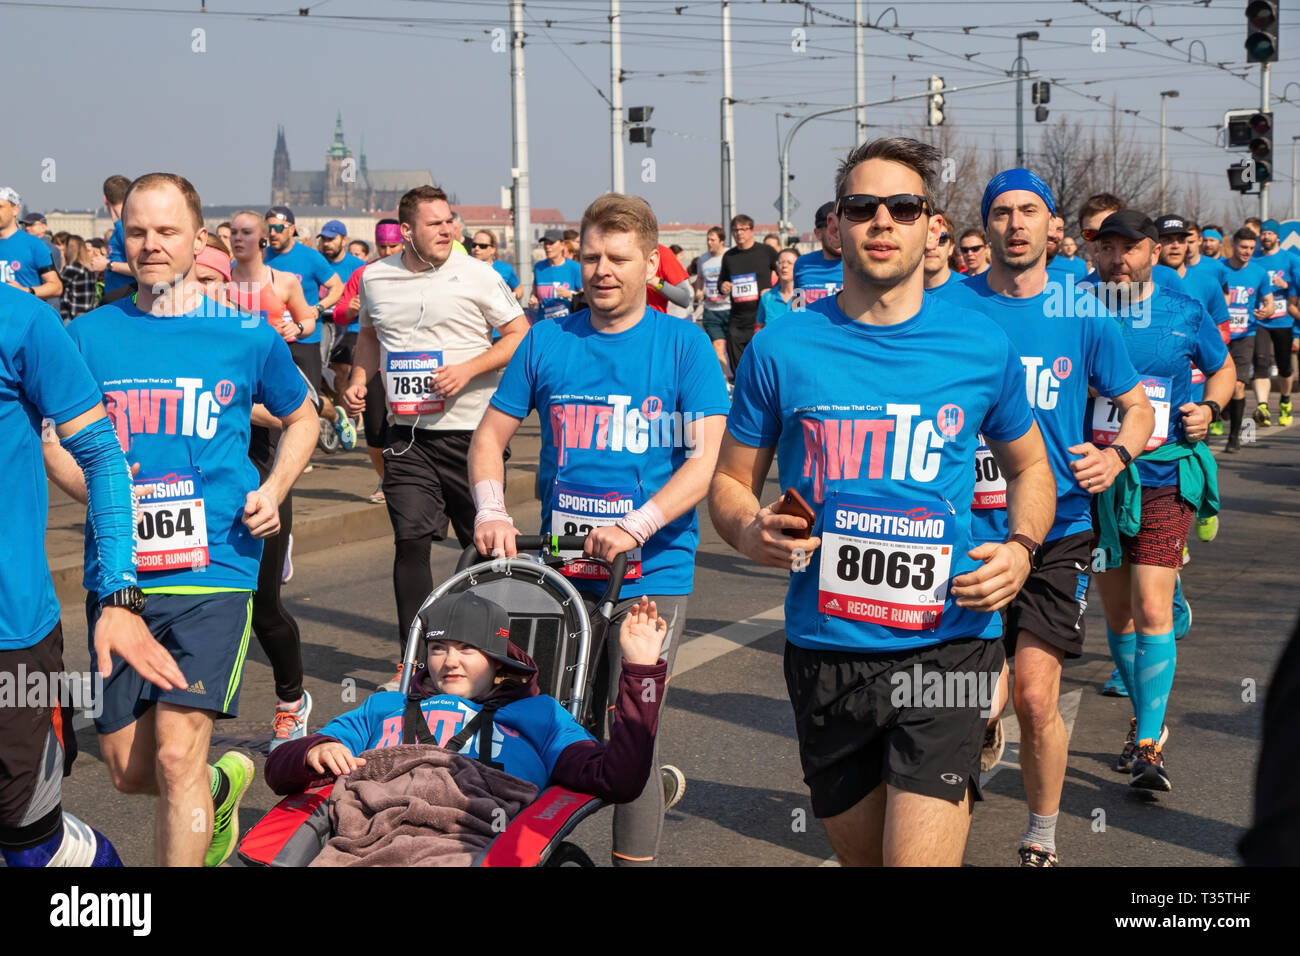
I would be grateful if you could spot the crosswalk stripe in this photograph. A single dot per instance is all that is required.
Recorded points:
(708, 647)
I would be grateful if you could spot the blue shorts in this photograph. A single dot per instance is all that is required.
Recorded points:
(207, 635)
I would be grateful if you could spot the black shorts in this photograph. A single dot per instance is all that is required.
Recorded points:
(306, 355)
(1242, 351)
(37, 743)
(341, 353)
(1272, 347)
(426, 484)
(858, 723)
(1052, 602)
(375, 415)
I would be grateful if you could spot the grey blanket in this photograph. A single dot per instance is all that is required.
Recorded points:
(418, 805)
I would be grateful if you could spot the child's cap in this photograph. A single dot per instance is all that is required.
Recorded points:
(473, 620)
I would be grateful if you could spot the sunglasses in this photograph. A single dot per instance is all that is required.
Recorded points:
(277, 228)
(968, 250)
(481, 245)
(904, 208)
(943, 238)
(1090, 234)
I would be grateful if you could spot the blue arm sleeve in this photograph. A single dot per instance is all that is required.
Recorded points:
(111, 500)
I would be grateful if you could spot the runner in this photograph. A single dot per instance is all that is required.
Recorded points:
(426, 322)
(657, 425)
(1164, 332)
(1064, 351)
(938, 277)
(200, 367)
(388, 242)
(1283, 270)
(972, 246)
(1250, 299)
(118, 280)
(819, 273)
(25, 262)
(484, 248)
(1092, 213)
(918, 378)
(359, 248)
(748, 269)
(317, 277)
(780, 299)
(716, 315)
(556, 279)
(330, 244)
(670, 285)
(1211, 240)
(1059, 266)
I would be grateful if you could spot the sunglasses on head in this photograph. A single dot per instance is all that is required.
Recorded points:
(904, 208)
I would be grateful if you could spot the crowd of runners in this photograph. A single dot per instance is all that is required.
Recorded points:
(1019, 406)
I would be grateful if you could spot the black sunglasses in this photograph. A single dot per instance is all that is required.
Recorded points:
(904, 208)
(943, 238)
(481, 245)
(967, 250)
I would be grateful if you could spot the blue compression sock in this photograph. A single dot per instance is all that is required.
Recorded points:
(1154, 671)
(1122, 649)
(76, 844)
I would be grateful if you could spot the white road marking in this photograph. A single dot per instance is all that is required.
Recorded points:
(708, 647)
(1069, 707)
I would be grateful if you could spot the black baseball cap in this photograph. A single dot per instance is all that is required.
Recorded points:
(31, 218)
(824, 210)
(1172, 226)
(1130, 224)
(470, 619)
(280, 212)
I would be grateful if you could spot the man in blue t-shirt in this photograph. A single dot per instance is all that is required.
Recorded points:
(1165, 332)
(819, 273)
(636, 405)
(873, 413)
(1283, 270)
(118, 280)
(25, 262)
(331, 242)
(1065, 347)
(1250, 300)
(180, 376)
(1058, 266)
(1207, 285)
(557, 279)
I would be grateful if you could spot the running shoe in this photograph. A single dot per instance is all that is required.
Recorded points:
(1216, 428)
(1115, 686)
(1031, 854)
(347, 432)
(234, 774)
(290, 722)
(1207, 529)
(1124, 762)
(395, 683)
(1148, 771)
(1182, 611)
(1261, 415)
(674, 785)
(378, 497)
(995, 742)
(1234, 444)
(328, 439)
(1284, 413)
(286, 573)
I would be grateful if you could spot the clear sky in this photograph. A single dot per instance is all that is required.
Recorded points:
(103, 87)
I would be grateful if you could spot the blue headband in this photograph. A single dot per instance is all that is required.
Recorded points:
(1211, 234)
(1010, 179)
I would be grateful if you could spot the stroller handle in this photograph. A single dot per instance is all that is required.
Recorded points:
(554, 544)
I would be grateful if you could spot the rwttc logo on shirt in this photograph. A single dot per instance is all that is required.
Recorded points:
(836, 449)
(181, 408)
(617, 426)
(1043, 380)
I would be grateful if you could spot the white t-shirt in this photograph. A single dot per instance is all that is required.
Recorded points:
(424, 320)
(709, 266)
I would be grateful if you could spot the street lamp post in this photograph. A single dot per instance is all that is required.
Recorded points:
(1021, 67)
(1164, 172)
(1294, 140)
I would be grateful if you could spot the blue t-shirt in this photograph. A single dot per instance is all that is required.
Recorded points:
(1284, 280)
(614, 430)
(528, 735)
(344, 269)
(1060, 266)
(816, 277)
(506, 272)
(1206, 287)
(1215, 267)
(1161, 275)
(116, 253)
(1247, 288)
(41, 376)
(1164, 339)
(1063, 349)
(876, 427)
(772, 306)
(567, 275)
(180, 390)
(313, 271)
(949, 287)
(22, 257)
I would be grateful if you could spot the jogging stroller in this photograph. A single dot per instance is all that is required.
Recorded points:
(550, 622)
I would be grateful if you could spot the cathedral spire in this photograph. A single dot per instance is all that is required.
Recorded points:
(338, 149)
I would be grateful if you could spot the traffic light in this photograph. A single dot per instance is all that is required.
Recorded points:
(934, 105)
(1041, 92)
(1261, 146)
(1241, 177)
(1040, 114)
(1239, 132)
(1261, 31)
(637, 117)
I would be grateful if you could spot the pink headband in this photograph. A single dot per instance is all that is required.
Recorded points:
(388, 234)
(214, 259)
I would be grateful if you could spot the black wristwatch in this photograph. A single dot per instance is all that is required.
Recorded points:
(1030, 545)
(131, 598)
(301, 330)
(1124, 457)
(1215, 410)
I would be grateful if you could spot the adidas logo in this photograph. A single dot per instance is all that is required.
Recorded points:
(832, 605)
(197, 688)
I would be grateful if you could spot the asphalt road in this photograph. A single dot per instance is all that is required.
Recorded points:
(728, 723)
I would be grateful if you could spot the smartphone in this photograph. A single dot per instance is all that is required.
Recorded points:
(792, 503)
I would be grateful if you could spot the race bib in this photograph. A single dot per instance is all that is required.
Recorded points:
(172, 532)
(576, 511)
(1105, 415)
(807, 296)
(744, 288)
(990, 485)
(885, 561)
(1278, 278)
(557, 311)
(1198, 377)
(409, 382)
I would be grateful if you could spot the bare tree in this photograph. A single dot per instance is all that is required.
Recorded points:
(1064, 161)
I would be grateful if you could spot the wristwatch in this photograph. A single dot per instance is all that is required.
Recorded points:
(301, 330)
(1124, 457)
(1215, 410)
(131, 598)
(1030, 545)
